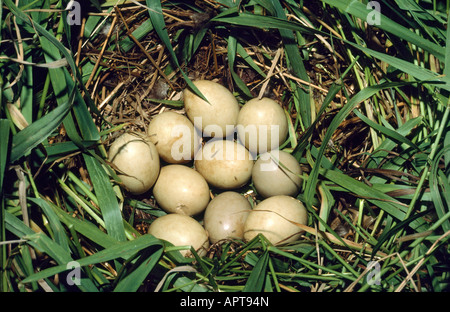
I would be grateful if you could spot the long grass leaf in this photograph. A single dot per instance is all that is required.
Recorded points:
(439, 187)
(4, 149)
(423, 19)
(232, 17)
(40, 241)
(121, 250)
(157, 18)
(26, 94)
(133, 280)
(30, 137)
(54, 222)
(232, 50)
(343, 113)
(41, 30)
(447, 74)
(43, 243)
(127, 44)
(106, 197)
(256, 280)
(296, 63)
(241, 51)
(386, 235)
(394, 135)
(304, 139)
(63, 85)
(388, 144)
(385, 202)
(54, 151)
(85, 228)
(85, 121)
(364, 12)
(420, 73)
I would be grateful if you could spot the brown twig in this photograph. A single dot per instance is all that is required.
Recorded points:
(161, 72)
(99, 58)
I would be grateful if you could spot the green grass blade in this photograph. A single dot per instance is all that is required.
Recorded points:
(84, 117)
(386, 235)
(334, 89)
(447, 74)
(257, 278)
(54, 222)
(268, 5)
(52, 152)
(42, 31)
(40, 241)
(394, 135)
(337, 120)
(157, 18)
(133, 280)
(385, 202)
(296, 63)
(420, 73)
(191, 43)
(121, 250)
(85, 228)
(446, 70)
(4, 149)
(232, 50)
(127, 44)
(232, 17)
(30, 137)
(26, 95)
(43, 243)
(440, 188)
(4, 154)
(241, 51)
(304, 139)
(106, 197)
(387, 145)
(62, 84)
(423, 19)
(362, 11)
